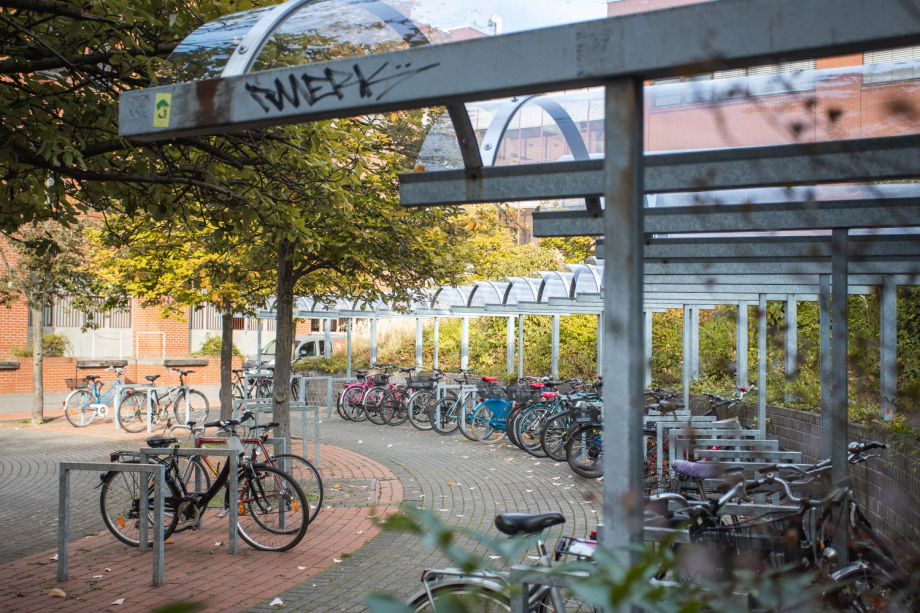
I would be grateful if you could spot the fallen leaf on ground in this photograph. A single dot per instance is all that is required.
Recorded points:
(54, 557)
(528, 491)
(98, 576)
(119, 601)
(337, 561)
(494, 557)
(301, 568)
(277, 602)
(218, 543)
(108, 570)
(450, 483)
(57, 593)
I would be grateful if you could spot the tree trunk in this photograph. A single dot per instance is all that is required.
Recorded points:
(38, 354)
(226, 366)
(284, 339)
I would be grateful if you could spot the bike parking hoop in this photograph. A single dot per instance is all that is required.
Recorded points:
(526, 576)
(129, 388)
(295, 407)
(157, 471)
(232, 456)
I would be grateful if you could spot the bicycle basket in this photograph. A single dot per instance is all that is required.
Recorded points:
(423, 381)
(488, 392)
(660, 485)
(763, 544)
(76, 384)
(380, 379)
(585, 413)
(521, 394)
(577, 549)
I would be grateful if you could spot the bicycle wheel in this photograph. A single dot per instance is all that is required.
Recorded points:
(195, 476)
(483, 426)
(132, 413)
(273, 510)
(529, 429)
(864, 588)
(465, 417)
(77, 408)
(196, 409)
(443, 418)
(295, 389)
(237, 393)
(419, 412)
(306, 476)
(555, 434)
(459, 595)
(394, 407)
(340, 406)
(119, 502)
(583, 451)
(354, 403)
(371, 403)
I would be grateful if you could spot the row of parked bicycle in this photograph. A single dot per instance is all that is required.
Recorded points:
(540, 415)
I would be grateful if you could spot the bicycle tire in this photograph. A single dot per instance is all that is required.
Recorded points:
(340, 406)
(589, 466)
(530, 429)
(441, 419)
(482, 427)
(132, 413)
(355, 403)
(394, 407)
(555, 435)
(77, 408)
(119, 502)
(197, 406)
(306, 476)
(273, 509)
(465, 417)
(371, 403)
(509, 424)
(459, 595)
(295, 389)
(194, 475)
(237, 393)
(861, 588)
(420, 405)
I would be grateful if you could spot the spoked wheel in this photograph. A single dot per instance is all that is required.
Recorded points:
(354, 403)
(120, 503)
(465, 418)
(483, 426)
(529, 429)
(191, 406)
(306, 476)
(583, 451)
(273, 510)
(460, 596)
(554, 435)
(340, 406)
(442, 419)
(866, 589)
(394, 407)
(371, 402)
(420, 405)
(77, 408)
(509, 424)
(132, 413)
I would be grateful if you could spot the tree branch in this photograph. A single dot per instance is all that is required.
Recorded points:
(53, 8)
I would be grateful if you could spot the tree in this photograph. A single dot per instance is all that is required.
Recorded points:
(574, 249)
(48, 261)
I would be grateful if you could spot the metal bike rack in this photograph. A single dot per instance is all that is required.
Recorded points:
(260, 405)
(232, 456)
(159, 476)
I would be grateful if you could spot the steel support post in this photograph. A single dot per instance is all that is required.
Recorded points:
(509, 346)
(418, 342)
(686, 360)
(695, 343)
(464, 342)
(839, 370)
(63, 522)
(258, 346)
(889, 347)
(791, 355)
(648, 347)
(437, 330)
(824, 323)
(741, 345)
(521, 346)
(554, 365)
(327, 338)
(624, 371)
(348, 325)
(373, 341)
(600, 344)
(762, 365)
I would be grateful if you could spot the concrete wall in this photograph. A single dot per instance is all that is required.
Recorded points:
(887, 488)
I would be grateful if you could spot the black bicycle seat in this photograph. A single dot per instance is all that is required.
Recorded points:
(152, 378)
(92, 377)
(525, 523)
(409, 369)
(161, 441)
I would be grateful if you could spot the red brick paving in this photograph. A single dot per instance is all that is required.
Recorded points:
(196, 569)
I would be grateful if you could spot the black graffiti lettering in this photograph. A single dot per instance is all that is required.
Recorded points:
(312, 88)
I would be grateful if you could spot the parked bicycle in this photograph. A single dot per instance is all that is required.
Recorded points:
(89, 401)
(273, 509)
(152, 406)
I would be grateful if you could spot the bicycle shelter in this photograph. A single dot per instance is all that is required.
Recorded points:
(233, 81)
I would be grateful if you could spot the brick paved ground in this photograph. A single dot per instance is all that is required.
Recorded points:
(486, 481)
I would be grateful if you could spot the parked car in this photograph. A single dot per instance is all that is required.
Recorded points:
(306, 346)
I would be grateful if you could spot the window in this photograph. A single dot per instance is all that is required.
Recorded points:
(891, 65)
(333, 325)
(205, 318)
(65, 316)
(269, 349)
(271, 325)
(314, 325)
(47, 316)
(239, 323)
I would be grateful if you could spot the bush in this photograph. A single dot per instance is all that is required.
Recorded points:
(53, 346)
(212, 346)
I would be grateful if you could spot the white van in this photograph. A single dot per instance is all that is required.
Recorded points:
(307, 346)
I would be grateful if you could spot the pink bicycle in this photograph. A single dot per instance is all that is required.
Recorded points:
(353, 403)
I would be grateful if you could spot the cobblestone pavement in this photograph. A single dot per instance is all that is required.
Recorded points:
(487, 480)
(463, 482)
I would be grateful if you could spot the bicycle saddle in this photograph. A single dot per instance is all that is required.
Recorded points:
(161, 441)
(490, 379)
(703, 470)
(152, 378)
(92, 377)
(666, 407)
(548, 395)
(408, 369)
(525, 523)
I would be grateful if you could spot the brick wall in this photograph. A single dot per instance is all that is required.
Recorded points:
(887, 488)
(14, 331)
(152, 328)
(56, 370)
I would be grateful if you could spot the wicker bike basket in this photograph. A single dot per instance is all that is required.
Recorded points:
(523, 394)
(423, 381)
(76, 384)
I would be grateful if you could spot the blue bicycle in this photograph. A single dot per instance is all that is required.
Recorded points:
(84, 404)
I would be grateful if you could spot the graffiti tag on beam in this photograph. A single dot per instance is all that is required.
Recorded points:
(308, 89)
